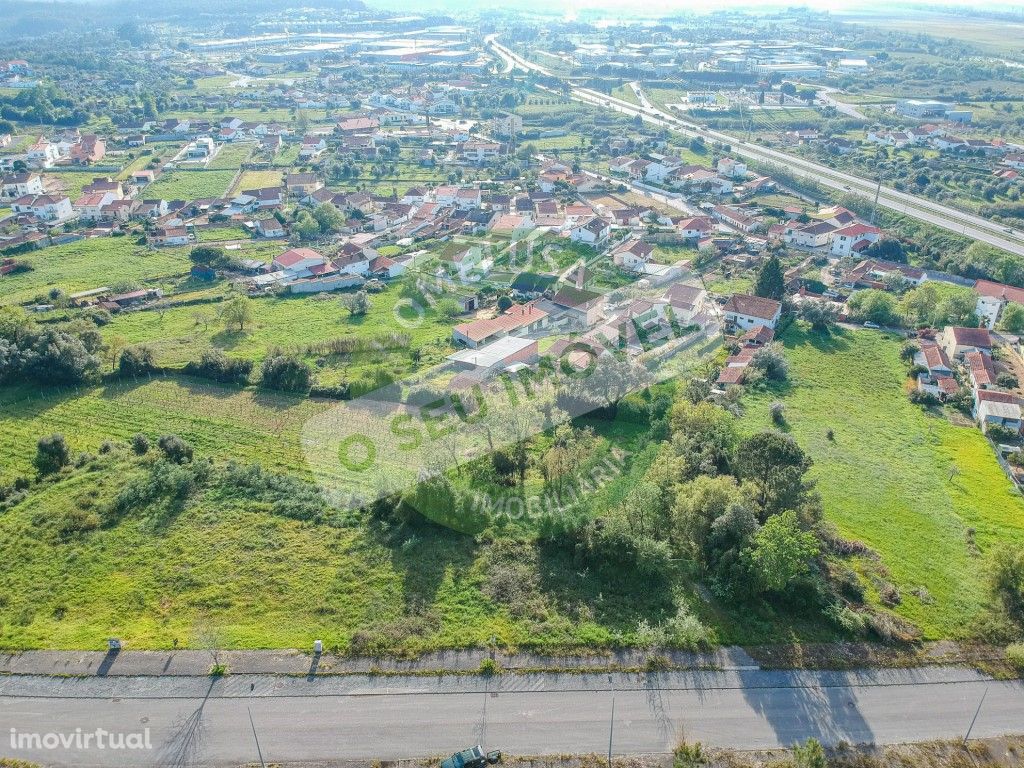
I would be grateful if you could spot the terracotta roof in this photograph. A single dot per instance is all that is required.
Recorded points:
(971, 337)
(981, 368)
(516, 317)
(753, 306)
(999, 291)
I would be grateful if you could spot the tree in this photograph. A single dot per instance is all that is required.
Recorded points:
(207, 255)
(136, 361)
(357, 303)
(874, 306)
(772, 467)
(1012, 320)
(329, 218)
(52, 453)
(887, 249)
(285, 372)
(699, 503)
(820, 315)
(448, 308)
(771, 359)
(238, 311)
(112, 351)
(1006, 580)
(771, 283)
(175, 449)
(306, 227)
(781, 553)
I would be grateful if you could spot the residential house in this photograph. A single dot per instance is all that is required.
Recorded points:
(993, 298)
(937, 378)
(1001, 409)
(958, 341)
(815, 234)
(632, 255)
(302, 184)
(168, 236)
(480, 151)
(299, 263)
(48, 208)
(743, 312)
(269, 228)
(593, 231)
(731, 168)
(873, 273)
(18, 185)
(519, 320)
(980, 370)
(853, 238)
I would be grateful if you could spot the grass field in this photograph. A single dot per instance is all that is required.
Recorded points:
(223, 422)
(888, 477)
(91, 264)
(258, 180)
(231, 156)
(190, 185)
(285, 322)
(216, 234)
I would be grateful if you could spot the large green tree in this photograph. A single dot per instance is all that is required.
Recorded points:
(771, 283)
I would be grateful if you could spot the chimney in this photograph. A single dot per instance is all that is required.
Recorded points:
(581, 275)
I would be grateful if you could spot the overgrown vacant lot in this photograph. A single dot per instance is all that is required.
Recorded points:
(927, 495)
(91, 264)
(292, 322)
(222, 422)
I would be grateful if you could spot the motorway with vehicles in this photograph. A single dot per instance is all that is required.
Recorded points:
(950, 219)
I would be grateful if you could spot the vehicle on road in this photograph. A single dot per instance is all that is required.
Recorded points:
(869, 324)
(473, 757)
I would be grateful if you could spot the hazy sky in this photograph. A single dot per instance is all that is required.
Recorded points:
(663, 7)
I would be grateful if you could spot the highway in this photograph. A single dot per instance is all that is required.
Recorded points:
(199, 721)
(919, 208)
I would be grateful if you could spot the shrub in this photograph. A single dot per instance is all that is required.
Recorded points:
(140, 444)
(778, 412)
(286, 373)
(1006, 580)
(215, 365)
(175, 449)
(810, 754)
(136, 361)
(52, 453)
(489, 667)
(689, 756)
(1015, 656)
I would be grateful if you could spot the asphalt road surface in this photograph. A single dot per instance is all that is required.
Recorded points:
(196, 721)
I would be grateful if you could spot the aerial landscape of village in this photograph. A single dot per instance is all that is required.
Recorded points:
(537, 384)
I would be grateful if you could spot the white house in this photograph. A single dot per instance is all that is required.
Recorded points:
(743, 312)
(853, 237)
(731, 168)
(593, 231)
(51, 208)
(480, 151)
(632, 255)
(20, 184)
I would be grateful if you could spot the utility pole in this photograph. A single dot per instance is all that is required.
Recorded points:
(975, 718)
(878, 193)
(257, 738)
(611, 728)
(611, 723)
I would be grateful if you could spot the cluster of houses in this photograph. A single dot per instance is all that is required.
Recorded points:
(579, 327)
(68, 148)
(729, 175)
(956, 355)
(938, 137)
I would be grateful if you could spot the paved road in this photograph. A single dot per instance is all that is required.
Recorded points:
(194, 721)
(919, 208)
